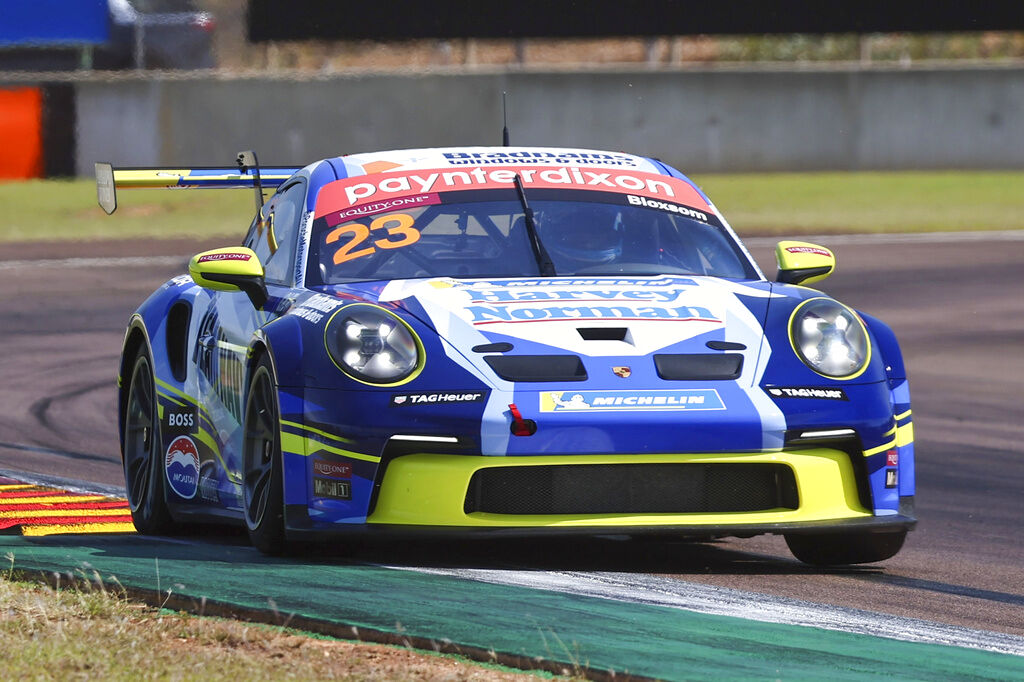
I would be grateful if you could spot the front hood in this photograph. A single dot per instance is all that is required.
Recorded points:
(600, 317)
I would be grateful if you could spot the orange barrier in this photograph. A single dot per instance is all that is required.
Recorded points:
(21, 133)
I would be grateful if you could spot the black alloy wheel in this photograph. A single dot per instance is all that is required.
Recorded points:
(262, 483)
(142, 452)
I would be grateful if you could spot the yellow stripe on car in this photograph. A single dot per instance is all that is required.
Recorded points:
(307, 446)
(881, 448)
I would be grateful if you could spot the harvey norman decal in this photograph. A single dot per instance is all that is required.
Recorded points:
(597, 401)
(493, 314)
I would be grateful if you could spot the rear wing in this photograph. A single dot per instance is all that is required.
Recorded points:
(248, 175)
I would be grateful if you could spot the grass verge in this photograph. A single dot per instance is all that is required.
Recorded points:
(755, 204)
(91, 630)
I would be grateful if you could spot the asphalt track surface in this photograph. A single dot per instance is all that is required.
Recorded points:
(957, 306)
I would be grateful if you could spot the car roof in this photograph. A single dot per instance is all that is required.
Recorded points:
(368, 163)
(442, 157)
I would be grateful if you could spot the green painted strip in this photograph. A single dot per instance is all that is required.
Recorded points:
(641, 639)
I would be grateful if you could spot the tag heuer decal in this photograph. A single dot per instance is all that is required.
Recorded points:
(818, 392)
(438, 397)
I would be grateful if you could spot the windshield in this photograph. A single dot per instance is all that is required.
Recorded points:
(483, 233)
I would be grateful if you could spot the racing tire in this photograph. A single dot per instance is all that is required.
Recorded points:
(142, 452)
(841, 549)
(263, 480)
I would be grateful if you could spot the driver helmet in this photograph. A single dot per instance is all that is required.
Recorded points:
(584, 234)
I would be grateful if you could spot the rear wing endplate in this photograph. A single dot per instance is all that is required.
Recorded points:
(109, 179)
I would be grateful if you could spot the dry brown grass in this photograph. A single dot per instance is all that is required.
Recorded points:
(91, 632)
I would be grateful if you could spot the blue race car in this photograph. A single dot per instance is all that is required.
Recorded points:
(507, 340)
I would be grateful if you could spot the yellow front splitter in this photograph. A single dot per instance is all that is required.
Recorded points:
(430, 490)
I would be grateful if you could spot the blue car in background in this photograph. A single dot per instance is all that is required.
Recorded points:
(515, 341)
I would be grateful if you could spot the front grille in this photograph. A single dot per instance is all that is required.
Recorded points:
(632, 489)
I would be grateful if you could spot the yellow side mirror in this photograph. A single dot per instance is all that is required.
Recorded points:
(233, 268)
(803, 262)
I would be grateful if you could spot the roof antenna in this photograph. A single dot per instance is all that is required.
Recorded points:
(504, 114)
(247, 163)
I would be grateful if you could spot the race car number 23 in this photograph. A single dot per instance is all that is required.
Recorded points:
(400, 232)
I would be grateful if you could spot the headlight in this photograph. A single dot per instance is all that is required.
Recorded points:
(372, 345)
(829, 338)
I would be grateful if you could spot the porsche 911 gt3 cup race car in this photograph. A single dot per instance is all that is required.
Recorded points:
(507, 340)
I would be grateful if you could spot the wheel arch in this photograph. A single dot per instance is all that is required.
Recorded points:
(136, 337)
(888, 347)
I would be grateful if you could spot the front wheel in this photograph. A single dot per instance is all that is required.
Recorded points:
(142, 453)
(263, 484)
(840, 549)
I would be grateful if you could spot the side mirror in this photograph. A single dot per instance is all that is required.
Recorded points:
(803, 262)
(234, 268)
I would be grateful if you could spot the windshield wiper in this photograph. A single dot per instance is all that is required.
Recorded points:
(547, 268)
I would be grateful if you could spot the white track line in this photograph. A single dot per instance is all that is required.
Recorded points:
(724, 601)
(900, 238)
(101, 262)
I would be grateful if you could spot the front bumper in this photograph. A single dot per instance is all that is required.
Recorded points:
(434, 490)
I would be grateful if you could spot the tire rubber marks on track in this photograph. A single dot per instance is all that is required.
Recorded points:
(27, 509)
(723, 601)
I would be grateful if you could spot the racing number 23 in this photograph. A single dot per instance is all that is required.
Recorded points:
(400, 233)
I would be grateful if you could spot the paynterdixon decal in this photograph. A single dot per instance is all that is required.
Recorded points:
(593, 401)
(341, 195)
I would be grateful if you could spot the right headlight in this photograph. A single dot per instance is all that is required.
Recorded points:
(830, 338)
(372, 345)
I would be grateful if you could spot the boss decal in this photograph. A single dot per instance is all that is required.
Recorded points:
(180, 419)
(807, 392)
(596, 401)
(331, 487)
(402, 399)
(182, 467)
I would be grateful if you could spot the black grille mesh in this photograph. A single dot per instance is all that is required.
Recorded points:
(632, 489)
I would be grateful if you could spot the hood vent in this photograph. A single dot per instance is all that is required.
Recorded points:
(537, 367)
(603, 333)
(699, 366)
